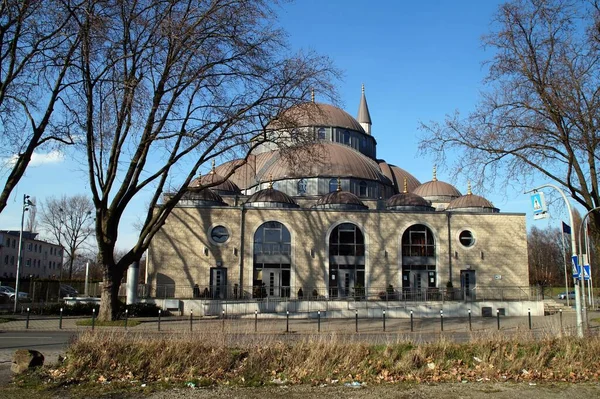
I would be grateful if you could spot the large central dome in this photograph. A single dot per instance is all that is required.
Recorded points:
(316, 114)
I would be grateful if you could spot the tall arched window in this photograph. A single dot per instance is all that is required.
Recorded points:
(272, 260)
(419, 276)
(347, 262)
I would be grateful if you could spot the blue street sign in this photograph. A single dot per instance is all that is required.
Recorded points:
(538, 203)
(576, 268)
(586, 272)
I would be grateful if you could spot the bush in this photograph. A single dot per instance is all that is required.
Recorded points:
(78, 309)
(144, 310)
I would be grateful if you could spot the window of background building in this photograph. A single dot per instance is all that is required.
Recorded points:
(333, 184)
(362, 189)
(321, 134)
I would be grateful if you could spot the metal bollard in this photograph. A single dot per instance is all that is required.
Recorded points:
(441, 320)
(356, 317)
(93, 318)
(60, 319)
(223, 320)
(159, 312)
(470, 326)
(498, 317)
(529, 315)
(287, 321)
(27, 321)
(411, 321)
(561, 324)
(255, 320)
(319, 321)
(191, 319)
(383, 320)
(126, 317)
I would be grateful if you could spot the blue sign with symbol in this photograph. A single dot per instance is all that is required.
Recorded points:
(538, 203)
(586, 272)
(576, 268)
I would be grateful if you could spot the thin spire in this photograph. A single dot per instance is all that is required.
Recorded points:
(339, 187)
(363, 109)
(434, 173)
(312, 95)
(469, 192)
(212, 171)
(405, 185)
(271, 181)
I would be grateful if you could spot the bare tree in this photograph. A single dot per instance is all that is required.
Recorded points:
(546, 262)
(70, 222)
(37, 42)
(539, 116)
(32, 217)
(162, 88)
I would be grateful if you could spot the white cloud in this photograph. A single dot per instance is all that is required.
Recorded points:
(38, 159)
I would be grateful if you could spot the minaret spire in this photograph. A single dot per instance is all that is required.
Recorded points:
(364, 117)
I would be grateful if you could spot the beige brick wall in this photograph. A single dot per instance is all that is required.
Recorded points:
(177, 253)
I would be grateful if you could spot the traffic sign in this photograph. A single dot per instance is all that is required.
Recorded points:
(576, 268)
(538, 203)
(586, 272)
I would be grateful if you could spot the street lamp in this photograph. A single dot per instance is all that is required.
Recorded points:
(582, 278)
(574, 256)
(26, 204)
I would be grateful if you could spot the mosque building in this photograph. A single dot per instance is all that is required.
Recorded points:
(341, 224)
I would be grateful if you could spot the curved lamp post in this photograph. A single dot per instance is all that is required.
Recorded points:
(574, 254)
(581, 226)
(26, 204)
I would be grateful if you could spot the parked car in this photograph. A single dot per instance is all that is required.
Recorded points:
(67, 291)
(10, 293)
(563, 295)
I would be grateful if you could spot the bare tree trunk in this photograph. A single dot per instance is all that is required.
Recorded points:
(109, 303)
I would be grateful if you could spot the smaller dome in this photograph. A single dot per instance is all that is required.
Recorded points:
(437, 191)
(408, 202)
(205, 196)
(223, 186)
(340, 200)
(271, 198)
(471, 203)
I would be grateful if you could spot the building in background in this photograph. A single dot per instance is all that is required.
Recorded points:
(41, 259)
(333, 221)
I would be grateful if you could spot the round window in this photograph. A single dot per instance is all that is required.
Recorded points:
(219, 234)
(466, 238)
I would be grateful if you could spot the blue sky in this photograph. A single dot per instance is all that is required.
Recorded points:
(419, 60)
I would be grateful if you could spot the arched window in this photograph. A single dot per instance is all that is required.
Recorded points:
(302, 184)
(346, 240)
(333, 184)
(321, 133)
(418, 241)
(362, 189)
(346, 137)
(272, 260)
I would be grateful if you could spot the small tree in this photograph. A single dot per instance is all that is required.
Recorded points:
(70, 223)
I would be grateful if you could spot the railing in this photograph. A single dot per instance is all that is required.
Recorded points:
(235, 292)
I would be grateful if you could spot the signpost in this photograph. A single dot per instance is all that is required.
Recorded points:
(538, 203)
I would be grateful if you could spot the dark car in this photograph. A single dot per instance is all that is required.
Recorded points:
(67, 291)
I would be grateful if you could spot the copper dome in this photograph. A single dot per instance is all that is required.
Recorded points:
(315, 114)
(408, 201)
(204, 196)
(340, 200)
(397, 176)
(271, 198)
(223, 186)
(471, 202)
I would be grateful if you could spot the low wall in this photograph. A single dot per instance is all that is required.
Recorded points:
(348, 309)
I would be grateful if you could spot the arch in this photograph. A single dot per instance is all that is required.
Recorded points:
(272, 260)
(346, 250)
(419, 273)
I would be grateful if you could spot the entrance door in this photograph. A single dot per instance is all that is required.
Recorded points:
(218, 282)
(277, 282)
(345, 282)
(467, 284)
(419, 284)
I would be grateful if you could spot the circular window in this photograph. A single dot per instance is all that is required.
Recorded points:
(466, 238)
(219, 234)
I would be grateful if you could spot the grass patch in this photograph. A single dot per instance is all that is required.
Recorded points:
(108, 323)
(6, 319)
(204, 359)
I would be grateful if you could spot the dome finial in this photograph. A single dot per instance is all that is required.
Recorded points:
(212, 171)
(434, 173)
(312, 94)
(469, 192)
(405, 185)
(271, 181)
(339, 187)
(363, 88)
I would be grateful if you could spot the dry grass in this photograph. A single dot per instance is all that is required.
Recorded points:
(257, 360)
